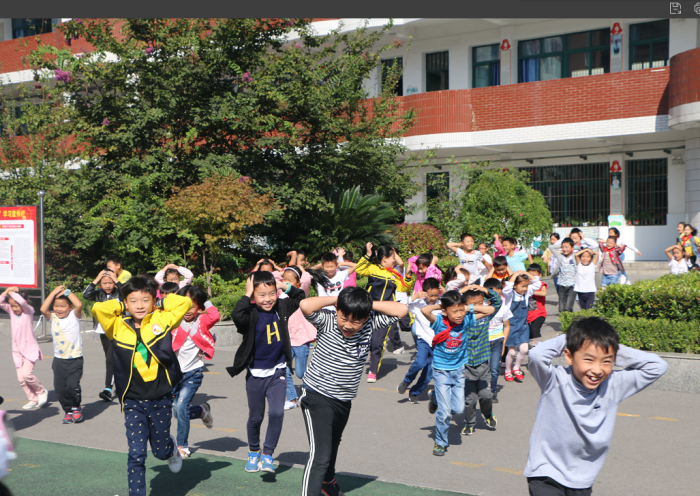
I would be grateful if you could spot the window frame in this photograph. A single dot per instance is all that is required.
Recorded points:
(650, 42)
(428, 71)
(488, 63)
(648, 193)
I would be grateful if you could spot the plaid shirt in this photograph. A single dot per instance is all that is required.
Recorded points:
(477, 335)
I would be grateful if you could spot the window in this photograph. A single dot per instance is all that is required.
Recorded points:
(647, 191)
(486, 66)
(22, 28)
(575, 193)
(395, 78)
(571, 55)
(649, 45)
(437, 74)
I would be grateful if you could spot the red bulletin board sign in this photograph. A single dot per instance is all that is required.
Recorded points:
(19, 261)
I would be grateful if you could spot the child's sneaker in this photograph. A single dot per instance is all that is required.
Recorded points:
(491, 421)
(289, 405)
(401, 388)
(494, 398)
(399, 351)
(32, 405)
(331, 489)
(207, 419)
(371, 377)
(175, 460)
(508, 377)
(468, 430)
(43, 398)
(266, 464)
(432, 404)
(413, 399)
(253, 464)
(184, 452)
(106, 394)
(519, 376)
(68, 419)
(77, 413)
(439, 450)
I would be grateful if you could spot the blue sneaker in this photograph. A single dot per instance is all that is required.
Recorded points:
(266, 465)
(253, 464)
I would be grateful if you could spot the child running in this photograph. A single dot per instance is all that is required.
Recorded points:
(518, 291)
(172, 273)
(611, 265)
(515, 258)
(537, 306)
(690, 243)
(500, 269)
(423, 266)
(577, 408)
(265, 353)
(333, 375)
(566, 270)
(677, 263)
(452, 348)
(108, 290)
(67, 350)
(192, 340)
(336, 278)
(614, 231)
(25, 349)
(383, 282)
(469, 258)
(499, 330)
(424, 341)
(145, 371)
(585, 287)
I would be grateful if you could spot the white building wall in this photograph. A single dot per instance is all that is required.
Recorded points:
(5, 29)
(692, 177)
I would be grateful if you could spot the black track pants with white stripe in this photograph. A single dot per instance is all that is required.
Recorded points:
(325, 420)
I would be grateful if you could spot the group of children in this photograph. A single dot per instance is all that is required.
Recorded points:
(155, 336)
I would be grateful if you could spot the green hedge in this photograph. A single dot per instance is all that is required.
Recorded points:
(670, 297)
(644, 334)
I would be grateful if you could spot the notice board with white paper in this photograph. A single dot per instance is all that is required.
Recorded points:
(18, 247)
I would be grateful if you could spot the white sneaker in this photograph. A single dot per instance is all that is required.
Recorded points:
(184, 452)
(32, 405)
(175, 461)
(399, 351)
(208, 420)
(43, 398)
(288, 405)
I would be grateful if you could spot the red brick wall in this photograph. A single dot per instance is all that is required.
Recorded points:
(684, 83)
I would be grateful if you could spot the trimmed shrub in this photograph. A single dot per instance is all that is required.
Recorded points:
(414, 239)
(670, 297)
(657, 335)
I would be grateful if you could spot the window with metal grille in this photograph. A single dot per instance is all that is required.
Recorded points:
(649, 45)
(486, 65)
(576, 194)
(437, 71)
(21, 28)
(647, 191)
(571, 55)
(392, 74)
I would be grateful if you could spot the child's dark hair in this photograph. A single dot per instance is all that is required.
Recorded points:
(22, 293)
(595, 330)
(263, 277)
(568, 241)
(615, 230)
(451, 273)
(348, 256)
(511, 240)
(139, 283)
(265, 261)
(115, 259)
(329, 257)
(575, 230)
(169, 288)
(472, 293)
(614, 238)
(196, 293)
(535, 268)
(171, 271)
(355, 303)
(556, 235)
(64, 298)
(493, 283)
(486, 245)
(424, 259)
(318, 277)
(500, 261)
(431, 283)
(693, 231)
(451, 298)
(300, 252)
(465, 235)
(521, 278)
(294, 270)
(381, 253)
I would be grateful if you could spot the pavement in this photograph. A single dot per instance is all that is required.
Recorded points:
(387, 440)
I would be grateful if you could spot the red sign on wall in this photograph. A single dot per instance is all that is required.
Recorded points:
(615, 167)
(505, 45)
(18, 247)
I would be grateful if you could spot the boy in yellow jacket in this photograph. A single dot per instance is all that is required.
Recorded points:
(145, 370)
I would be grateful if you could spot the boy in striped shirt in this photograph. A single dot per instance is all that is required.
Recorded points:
(566, 270)
(333, 375)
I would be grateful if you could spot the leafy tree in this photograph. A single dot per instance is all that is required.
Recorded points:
(217, 213)
(351, 221)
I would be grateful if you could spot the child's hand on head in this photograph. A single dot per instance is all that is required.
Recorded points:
(249, 286)
(369, 247)
(341, 251)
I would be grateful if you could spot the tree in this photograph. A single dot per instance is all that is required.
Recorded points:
(351, 221)
(218, 212)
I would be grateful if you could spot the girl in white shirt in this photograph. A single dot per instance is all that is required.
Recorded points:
(584, 287)
(678, 264)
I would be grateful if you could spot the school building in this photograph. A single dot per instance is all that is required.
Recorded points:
(604, 113)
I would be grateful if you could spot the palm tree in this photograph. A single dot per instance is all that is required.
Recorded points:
(350, 221)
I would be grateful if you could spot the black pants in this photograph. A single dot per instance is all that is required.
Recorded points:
(546, 486)
(325, 420)
(67, 373)
(585, 300)
(476, 387)
(535, 328)
(378, 346)
(258, 389)
(109, 359)
(567, 296)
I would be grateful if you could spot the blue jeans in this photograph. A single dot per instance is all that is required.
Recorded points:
(495, 362)
(449, 395)
(609, 280)
(302, 356)
(182, 403)
(424, 362)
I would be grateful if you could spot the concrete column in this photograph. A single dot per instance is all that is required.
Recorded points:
(692, 176)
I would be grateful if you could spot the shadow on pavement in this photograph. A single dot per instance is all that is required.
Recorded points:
(29, 418)
(92, 410)
(350, 482)
(454, 432)
(193, 472)
(200, 398)
(295, 457)
(222, 444)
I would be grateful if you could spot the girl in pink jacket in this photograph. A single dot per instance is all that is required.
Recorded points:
(423, 266)
(25, 349)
